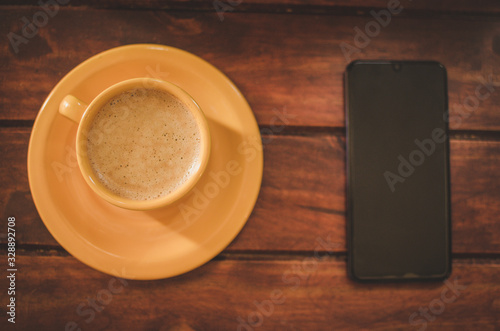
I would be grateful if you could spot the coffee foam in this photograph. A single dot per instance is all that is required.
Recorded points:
(143, 144)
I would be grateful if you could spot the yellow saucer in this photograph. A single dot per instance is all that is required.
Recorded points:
(147, 244)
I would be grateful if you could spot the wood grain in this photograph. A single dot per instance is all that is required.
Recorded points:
(489, 7)
(303, 76)
(301, 294)
(299, 205)
(285, 56)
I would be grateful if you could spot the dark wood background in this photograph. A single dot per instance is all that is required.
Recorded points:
(284, 55)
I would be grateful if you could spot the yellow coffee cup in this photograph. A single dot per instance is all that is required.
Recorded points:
(141, 144)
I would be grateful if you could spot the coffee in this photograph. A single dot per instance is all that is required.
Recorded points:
(143, 144)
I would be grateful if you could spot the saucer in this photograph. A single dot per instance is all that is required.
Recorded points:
(147, 244)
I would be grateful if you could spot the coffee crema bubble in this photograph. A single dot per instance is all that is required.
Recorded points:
(143, 144)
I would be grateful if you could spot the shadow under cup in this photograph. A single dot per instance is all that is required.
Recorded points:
(85, 126)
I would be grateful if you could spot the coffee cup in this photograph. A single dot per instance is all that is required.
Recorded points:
(141, 144)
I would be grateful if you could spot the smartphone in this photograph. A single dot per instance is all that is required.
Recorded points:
(398, 182)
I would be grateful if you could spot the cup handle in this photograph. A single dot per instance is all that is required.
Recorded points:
(73, 108)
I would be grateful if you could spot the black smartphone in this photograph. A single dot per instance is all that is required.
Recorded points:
(398, 182)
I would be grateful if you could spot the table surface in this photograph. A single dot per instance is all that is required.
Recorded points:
(286, 270)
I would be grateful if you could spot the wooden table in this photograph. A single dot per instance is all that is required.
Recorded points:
(287, 269)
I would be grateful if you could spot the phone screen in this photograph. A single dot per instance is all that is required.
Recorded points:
(398, 203)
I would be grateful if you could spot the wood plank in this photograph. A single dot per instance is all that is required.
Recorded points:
(289, 6)
(301, 294)
(302, 196)
(302, 76)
